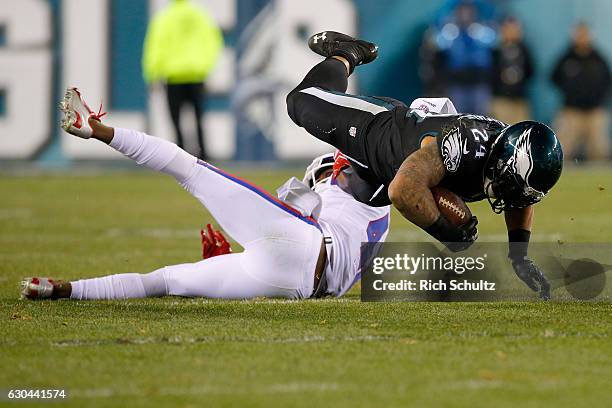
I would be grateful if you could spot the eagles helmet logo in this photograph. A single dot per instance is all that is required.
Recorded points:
(521, 161)
(453, 146)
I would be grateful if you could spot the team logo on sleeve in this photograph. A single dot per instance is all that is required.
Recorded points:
(453, 148)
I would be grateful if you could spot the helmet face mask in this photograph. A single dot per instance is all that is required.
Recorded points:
(525, 162)
(507, 190)
(316, 168)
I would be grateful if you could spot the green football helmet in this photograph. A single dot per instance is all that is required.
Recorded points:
(525, 162)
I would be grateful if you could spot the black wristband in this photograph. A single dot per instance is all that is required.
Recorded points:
(518, 242)
(442, 230)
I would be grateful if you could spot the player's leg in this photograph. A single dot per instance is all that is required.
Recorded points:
(336, 118)
(268, 268)
(174, 94)
(278, 265)
(330, 74)
(223, 277)
(283, 267)
(246, 212)
(319, 104)
(287, 243)
(568, 131)
(596, 135)
(196, 96)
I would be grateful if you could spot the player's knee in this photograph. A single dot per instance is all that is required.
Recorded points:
(182, 167)
(290, 100)
(154, 283)
(291, 103)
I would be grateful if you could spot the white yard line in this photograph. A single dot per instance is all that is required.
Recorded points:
(198, 340)
(278, 388)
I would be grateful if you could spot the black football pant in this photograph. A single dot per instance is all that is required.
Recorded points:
(192, 94)
(316, 105)
(361, 127)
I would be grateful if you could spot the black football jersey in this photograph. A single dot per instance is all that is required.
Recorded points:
(464, 141)
(464, 146)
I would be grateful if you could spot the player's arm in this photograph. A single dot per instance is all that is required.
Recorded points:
(519, 219)
(410, 193)
(519, 222)
(409, 190)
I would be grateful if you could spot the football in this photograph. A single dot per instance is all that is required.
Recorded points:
(451, 206)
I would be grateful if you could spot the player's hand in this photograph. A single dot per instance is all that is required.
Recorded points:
(530, 273)
(462, 237)
(213, 243)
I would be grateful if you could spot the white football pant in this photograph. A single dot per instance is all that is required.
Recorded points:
(281, 247)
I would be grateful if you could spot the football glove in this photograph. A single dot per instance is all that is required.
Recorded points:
(213, 243)
(455, 238)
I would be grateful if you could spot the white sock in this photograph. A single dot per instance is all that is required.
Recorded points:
(121, 286)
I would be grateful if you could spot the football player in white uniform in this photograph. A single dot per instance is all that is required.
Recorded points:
(305, 243)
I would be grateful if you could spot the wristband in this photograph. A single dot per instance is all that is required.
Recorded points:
(518, 242)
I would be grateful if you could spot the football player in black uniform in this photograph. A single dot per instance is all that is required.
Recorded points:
(398, 154)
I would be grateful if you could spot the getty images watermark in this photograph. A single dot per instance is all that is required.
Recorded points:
(428, 272)
(413, 264)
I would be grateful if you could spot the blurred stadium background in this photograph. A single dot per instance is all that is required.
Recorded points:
(46, 45)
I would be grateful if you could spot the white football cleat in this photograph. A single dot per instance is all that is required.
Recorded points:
(37, 288)
(77, 113)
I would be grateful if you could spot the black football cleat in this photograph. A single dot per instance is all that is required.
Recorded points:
(331, 43)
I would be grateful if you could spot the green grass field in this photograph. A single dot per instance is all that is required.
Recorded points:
(197, 352)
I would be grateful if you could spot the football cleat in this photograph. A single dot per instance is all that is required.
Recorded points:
(331, 43)
(37, 288)
(77, 113)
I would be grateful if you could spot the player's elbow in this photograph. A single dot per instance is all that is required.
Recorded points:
(404, 193)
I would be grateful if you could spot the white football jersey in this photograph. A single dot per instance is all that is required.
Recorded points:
(348, 223)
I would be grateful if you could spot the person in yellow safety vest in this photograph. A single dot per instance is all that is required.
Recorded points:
(181, 48)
